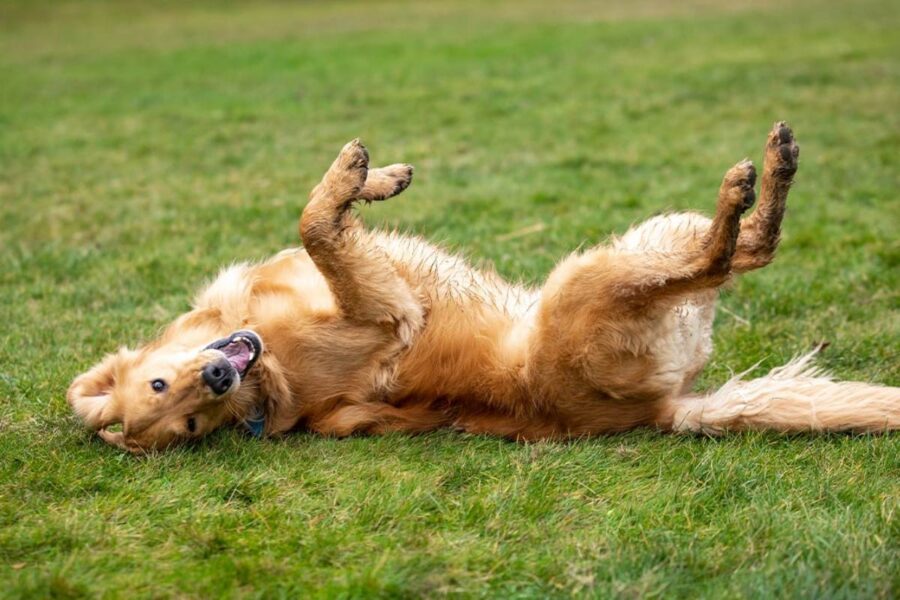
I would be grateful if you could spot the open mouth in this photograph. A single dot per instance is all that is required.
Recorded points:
(241, 349)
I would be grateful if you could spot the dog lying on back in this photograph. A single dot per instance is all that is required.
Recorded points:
(370, 332)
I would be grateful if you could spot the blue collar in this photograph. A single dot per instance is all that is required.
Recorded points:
(256, 422)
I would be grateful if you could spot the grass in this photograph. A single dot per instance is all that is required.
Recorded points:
(142, 146)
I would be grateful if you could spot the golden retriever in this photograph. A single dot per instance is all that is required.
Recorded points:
(372, 332)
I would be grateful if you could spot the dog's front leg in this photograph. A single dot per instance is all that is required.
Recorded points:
(366, 286)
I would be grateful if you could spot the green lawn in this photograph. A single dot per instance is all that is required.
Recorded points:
(144, 145)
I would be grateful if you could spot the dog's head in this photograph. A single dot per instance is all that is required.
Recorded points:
(166, 393)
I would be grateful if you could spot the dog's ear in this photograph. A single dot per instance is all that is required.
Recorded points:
(90, 394)
(117, 439)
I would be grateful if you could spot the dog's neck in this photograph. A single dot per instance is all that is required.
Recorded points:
(264, 404)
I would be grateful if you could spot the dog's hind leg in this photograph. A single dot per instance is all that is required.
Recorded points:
(365, 285)
(701, 260)
(761, 231)
(608, 327)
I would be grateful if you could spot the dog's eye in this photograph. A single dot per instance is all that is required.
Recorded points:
(159, 385)
(192, 424)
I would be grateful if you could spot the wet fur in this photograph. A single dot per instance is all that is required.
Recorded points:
(371, 332)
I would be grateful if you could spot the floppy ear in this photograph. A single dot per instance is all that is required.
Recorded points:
(90, 394)
(117, 439)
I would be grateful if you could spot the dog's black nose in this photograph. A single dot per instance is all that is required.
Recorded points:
(219, 375)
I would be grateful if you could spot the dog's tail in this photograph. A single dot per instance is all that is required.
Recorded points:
(795, 397)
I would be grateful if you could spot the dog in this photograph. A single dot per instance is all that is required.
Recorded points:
(371, 332)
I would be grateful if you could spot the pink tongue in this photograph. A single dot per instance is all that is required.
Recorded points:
(238, 354)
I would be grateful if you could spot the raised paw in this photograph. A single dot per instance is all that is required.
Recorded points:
(347, 174)
(386, 182)
(782, 152)
(353, 156)
(737, 191)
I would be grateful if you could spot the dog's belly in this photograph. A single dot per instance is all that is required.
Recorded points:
(478, 330)
(684, 335)
(473, 345)
(691, 343)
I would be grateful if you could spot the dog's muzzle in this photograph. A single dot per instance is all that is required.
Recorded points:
(241, 350)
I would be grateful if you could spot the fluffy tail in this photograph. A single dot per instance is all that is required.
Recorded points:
(795, 397)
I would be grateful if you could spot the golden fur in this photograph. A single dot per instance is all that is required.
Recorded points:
(375, 332)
